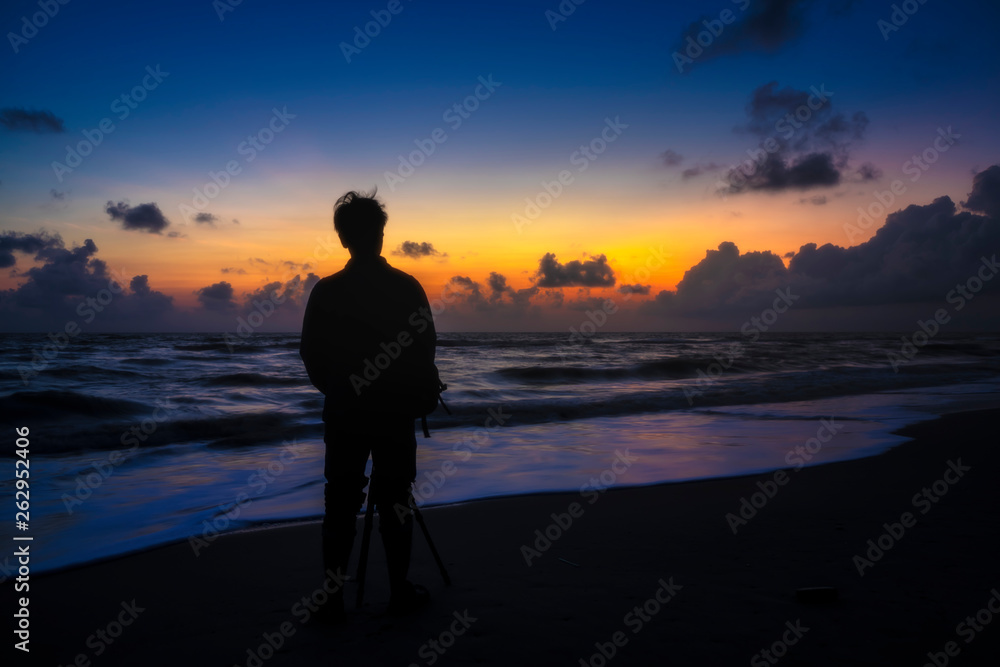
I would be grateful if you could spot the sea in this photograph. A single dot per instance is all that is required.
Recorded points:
(138, 440)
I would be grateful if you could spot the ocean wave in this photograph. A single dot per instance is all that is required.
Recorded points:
(664, 369)
(229, 431)
(735, 389)
(537, 342)
(211, 347)
(54, 405)
(89, 372)
(253, 380)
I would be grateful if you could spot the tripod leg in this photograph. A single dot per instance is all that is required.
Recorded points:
(434, 552)
(365, 541)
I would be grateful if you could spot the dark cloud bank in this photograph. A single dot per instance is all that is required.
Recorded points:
(908, 269)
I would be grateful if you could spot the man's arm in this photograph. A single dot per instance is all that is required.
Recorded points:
(315, 342)
(427, 339)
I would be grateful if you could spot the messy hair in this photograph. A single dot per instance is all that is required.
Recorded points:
(359, 218)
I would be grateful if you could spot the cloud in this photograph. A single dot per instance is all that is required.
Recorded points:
(815, 200)
(60, 281)
(498, 299)
(234, 270)
(416, 250)
(634, 289)
(764, 26)
(777, 173)
(57, 292)
(57, 195)
(593, 272)
(671, 158)
(723, 279)
(291, 294)
(144, 217)
(803, 143)
(140, 285)
(206, 218)
(147, 302)
(698, 170)
(466, 283)
(985, 195)
(295, 266)
(868, 172)
(498, 285)
(891, 268)
(217, 297)
(22, 120)
(29, 244)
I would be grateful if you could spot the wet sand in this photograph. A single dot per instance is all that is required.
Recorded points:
(645, 575)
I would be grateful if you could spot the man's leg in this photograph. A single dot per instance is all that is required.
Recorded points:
(394, 469)
(346, 456)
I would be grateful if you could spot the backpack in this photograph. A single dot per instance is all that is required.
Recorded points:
(416, 396)
(427, 398)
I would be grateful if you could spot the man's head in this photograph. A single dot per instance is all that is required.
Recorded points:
(360, 219)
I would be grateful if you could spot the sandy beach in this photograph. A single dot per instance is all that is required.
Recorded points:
(683, 573)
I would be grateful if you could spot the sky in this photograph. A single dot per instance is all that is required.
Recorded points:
(641, 166)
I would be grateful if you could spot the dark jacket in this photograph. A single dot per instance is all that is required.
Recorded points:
(368, 339)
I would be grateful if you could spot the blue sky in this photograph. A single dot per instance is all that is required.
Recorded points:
(352, 121)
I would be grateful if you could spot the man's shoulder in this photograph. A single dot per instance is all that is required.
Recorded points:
(402, 275)
(330, 281)
(350, 275)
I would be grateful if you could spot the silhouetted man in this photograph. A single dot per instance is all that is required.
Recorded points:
(367, 343)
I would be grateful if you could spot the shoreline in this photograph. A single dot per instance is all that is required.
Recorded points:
(736, 591)
(890, 433)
